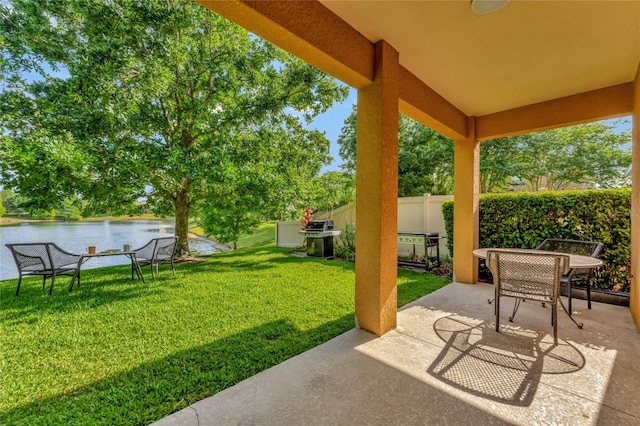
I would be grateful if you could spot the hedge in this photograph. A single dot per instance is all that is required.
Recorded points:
(525, 219)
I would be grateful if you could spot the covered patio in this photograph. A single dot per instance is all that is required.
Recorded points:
(445, 364)
(525, 67)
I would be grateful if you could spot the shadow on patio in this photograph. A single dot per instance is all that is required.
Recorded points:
(445, 364)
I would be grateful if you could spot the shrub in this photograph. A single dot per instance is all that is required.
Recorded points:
(346, 244)
(524, 220)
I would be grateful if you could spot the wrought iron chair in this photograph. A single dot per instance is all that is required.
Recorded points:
(156, 252)
(584, 248)
(527, 276)
(45, 259)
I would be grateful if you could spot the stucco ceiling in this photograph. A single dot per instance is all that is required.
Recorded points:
(524, 53)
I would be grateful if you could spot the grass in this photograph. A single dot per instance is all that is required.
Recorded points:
(15, 220)
(264, 235)
(117, 351)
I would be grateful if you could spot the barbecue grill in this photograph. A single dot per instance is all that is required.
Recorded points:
(319, 235)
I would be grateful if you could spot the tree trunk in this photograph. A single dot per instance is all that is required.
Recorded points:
(182, 207)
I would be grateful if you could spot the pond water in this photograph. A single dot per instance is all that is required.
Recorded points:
(75, 237)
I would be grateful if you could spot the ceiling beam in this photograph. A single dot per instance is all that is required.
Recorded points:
(313, 33)
(600, 104)
(302, 28)
(423, 104)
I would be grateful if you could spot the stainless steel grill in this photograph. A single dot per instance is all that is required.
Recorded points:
(319, 235)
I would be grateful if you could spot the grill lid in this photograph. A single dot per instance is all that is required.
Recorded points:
(320, 225)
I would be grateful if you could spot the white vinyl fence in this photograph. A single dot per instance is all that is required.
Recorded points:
(415, 214)
(287, 234)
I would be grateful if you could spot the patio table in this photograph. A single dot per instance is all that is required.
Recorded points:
(85, 257)
(575, 260)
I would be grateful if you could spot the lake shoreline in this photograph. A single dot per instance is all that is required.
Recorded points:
(14, 221)
(108, 234)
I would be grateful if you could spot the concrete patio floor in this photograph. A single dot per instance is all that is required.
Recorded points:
(445, 364)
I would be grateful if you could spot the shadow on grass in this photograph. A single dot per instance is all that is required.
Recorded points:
(267, 257)
(158, 388)
(100, 286)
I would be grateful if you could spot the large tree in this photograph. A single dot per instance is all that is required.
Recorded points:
(119, 101)
(425, 157)
(594, 155)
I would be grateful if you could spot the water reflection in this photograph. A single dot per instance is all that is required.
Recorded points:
(77, 236)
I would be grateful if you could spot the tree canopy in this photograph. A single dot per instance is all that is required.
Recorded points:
(162, 101)
(591, 155)
(425, 157)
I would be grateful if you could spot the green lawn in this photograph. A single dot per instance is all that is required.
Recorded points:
(264, 235)
(119, 352)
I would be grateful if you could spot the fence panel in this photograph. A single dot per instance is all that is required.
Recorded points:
(287, 234)
(415, 214)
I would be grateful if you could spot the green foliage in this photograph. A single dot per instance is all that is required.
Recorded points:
(345, 244)
(425, 158)
(119, 352)
(42, 214)
(524, 220)
(447, 215)
(499, 164)
(347, 142)
(154, 101)
(592, 154)
(69, 209)
(331, 190)
(10, 201)
(3, 210)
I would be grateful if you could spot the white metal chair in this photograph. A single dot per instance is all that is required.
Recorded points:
(527, 276)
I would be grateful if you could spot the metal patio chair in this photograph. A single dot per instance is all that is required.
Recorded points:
(527, 276)
(45, 259)
(156, 252)
(584, 248)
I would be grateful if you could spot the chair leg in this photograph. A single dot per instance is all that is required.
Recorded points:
(173, 268)
(554, 320)
(497, 312)
(19, 282)
(579, 325)
(589, 292)
(53, 278)
(516, 305)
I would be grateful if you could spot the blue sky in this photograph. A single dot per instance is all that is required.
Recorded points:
(331, 123)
